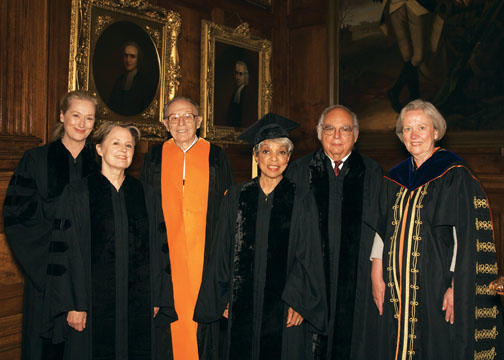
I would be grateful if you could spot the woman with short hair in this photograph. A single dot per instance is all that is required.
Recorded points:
(109, 262)
(266, 274)
(438, 254)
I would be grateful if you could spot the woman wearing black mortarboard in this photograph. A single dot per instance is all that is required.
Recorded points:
(266, 272)
(30, 203)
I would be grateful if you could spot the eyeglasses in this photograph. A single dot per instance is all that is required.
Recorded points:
(342, 131)
(175, 118)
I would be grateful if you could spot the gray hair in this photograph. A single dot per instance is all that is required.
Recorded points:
(429, 110)
(179, 98)
(283, 141)
(106, 127)
(329, 109)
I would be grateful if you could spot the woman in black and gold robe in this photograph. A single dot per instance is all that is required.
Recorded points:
(30, 203)
(439, 255)
(109, 289)
(266, 274)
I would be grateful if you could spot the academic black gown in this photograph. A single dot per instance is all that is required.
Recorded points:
(265, 262)
(419, 209)
(220, 179)
(109, 258)
(29, 207)
(345, 206)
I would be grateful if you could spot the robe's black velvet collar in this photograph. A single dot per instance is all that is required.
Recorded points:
(406, 175)
(58, 172)
(340, 250)
(104, 256)
(243, 262)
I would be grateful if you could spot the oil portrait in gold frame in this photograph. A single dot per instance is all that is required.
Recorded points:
(125, 52)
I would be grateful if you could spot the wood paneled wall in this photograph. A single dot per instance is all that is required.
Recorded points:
(33, 76)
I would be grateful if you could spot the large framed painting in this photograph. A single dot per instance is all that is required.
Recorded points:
(453, 59)
(265, 4)
(125, 53)
(235, 80)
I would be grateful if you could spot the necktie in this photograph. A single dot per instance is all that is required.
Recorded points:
(336, 167)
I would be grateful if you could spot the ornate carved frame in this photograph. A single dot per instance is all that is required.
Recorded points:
(266, 4)
(90, 18)
(240, 37)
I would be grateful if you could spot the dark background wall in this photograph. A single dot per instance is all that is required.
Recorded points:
(34, 74)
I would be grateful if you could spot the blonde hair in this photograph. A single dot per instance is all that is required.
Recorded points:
(65, 102)
(429, 110)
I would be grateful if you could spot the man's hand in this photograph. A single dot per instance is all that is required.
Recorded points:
(77, 319)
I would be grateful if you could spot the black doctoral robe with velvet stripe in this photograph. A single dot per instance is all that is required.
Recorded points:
(267, 258)
(220, 179)
(109, 258)
(344, 206)
(28, 210)
(425, 204)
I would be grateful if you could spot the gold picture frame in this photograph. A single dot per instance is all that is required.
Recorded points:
(101, 30)
(265, 4)
(221, 49)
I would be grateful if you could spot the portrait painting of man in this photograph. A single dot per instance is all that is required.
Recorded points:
(236, 86)
(126, 68)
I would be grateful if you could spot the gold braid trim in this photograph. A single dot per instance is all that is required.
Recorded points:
(483, 224)
(485, 246)
(391, 258)
(486, 334)
(414, 272)
(480, 203)
(486, 312)
(484, 290)
(486, 268)
(485, 354)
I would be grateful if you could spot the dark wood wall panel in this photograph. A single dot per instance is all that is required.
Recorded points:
(57, 73)
(24, 57)
(308, 81)
(23, 67)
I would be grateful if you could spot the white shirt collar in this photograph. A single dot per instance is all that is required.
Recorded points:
(190, 146)
(342, 160)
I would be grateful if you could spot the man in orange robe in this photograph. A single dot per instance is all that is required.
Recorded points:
(190, 175)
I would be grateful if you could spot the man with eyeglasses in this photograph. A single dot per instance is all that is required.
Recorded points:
(345, 185)
(190, 175)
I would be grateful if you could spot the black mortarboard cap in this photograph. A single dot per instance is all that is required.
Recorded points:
(270, 126)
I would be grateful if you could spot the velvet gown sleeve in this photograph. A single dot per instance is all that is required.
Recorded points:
(162, 286)
(146, 172)
(215, 286)
(304, 289)
(26, 228)
(66, 285)
(466, 207)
